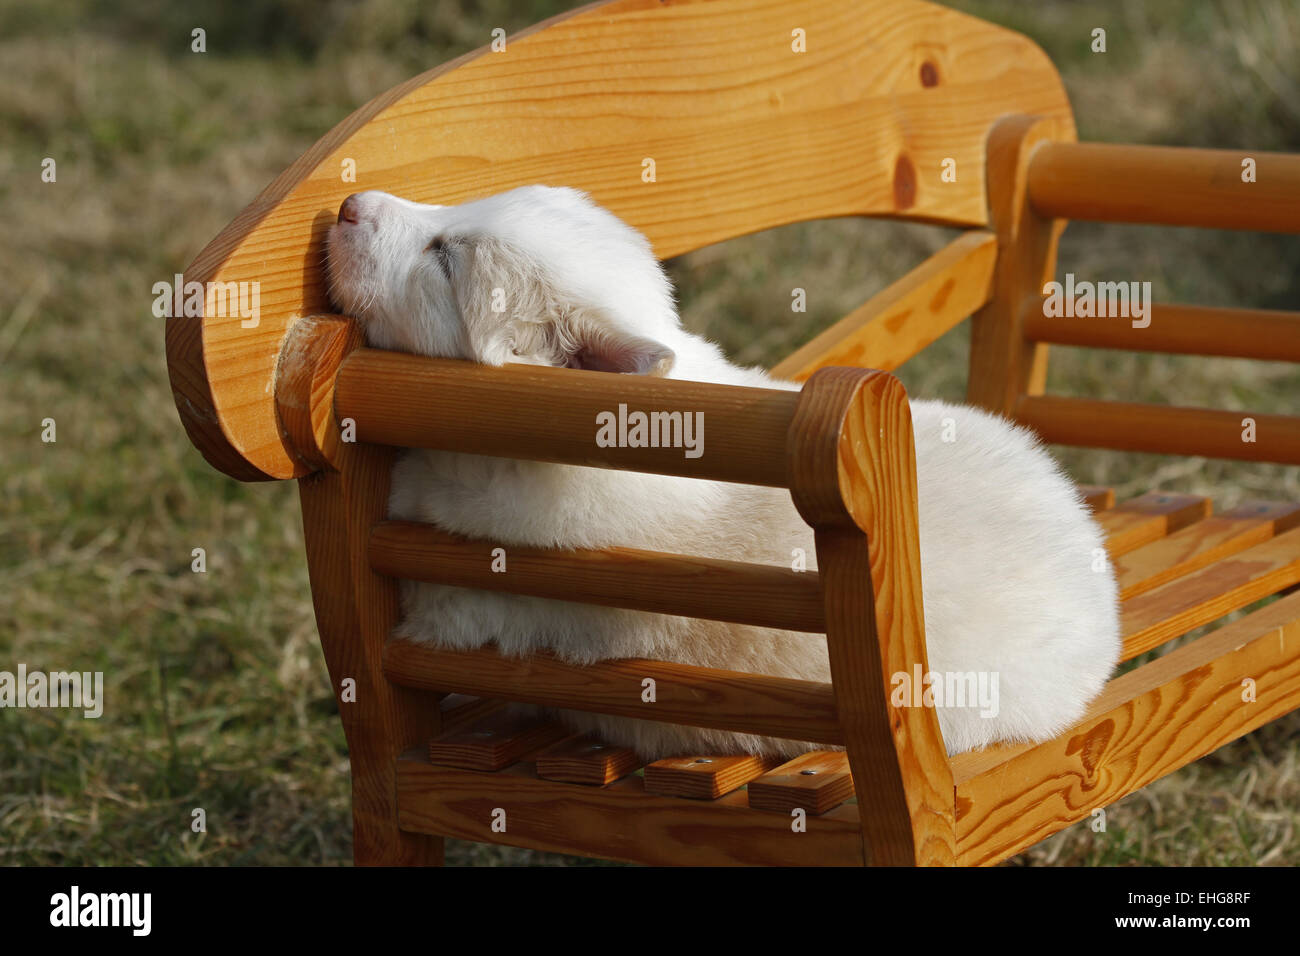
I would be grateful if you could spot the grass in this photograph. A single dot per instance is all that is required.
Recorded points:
(217, 696)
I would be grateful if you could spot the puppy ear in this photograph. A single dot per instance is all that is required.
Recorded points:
(514, 312)
(591, 341)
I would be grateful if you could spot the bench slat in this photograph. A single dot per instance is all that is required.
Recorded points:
(1145, 724)
(1165, 185)
(540, 413)
(620, 821)
(1148, 518)
(815, 782)
(758, 594)
(697, 696)
(1173, 609)
(493, 742)
(1202, 544)
(586, 760)
(1179, 329)
(704, 778)
(1161, 429)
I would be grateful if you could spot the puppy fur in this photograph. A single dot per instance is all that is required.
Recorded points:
(1014, 575)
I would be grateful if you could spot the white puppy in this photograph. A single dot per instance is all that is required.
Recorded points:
(1015, 583)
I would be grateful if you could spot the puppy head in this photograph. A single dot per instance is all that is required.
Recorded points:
(537, 275)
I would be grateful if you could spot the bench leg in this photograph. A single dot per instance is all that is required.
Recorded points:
(1003, 365)
(356, 611)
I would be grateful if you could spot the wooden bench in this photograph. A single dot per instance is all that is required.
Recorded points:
(747, 133)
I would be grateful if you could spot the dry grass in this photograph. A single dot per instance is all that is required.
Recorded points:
(217, 694)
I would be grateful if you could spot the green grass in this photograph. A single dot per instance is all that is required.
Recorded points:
(217, 695)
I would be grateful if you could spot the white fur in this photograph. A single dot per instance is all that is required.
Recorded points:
(1008, 550)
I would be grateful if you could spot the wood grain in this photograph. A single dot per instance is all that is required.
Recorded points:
(704, 777)
(1177, 329)
(902, 319)
(616, 822)
(550, 414)
(853, 470)
(1146, 724)
(305, 377)
(1148, 518)
(586, 760)
(1166, 185)
(1202, 544)
(356, 610)
(493, 742)
(1004, 365)
(1162, 429)
(815, 782)
(757, 594)
(745, 135)
(696, 696)
(1173, 609)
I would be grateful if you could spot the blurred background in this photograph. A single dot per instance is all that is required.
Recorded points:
(217, 692)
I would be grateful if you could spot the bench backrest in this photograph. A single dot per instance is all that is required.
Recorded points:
(696, 122)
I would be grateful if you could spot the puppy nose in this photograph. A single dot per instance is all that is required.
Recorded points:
(350, 211)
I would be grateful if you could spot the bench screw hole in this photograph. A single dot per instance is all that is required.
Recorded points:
(807, 773)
